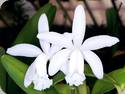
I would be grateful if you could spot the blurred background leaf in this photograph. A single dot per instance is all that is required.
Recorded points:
(113, 25)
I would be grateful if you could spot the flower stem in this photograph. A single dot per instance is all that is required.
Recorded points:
(81, 89)
(73, 90)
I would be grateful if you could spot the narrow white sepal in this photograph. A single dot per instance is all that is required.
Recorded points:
(42, 28)
(79, 24)
(26, 50)
(43, 25)
(97, 42)
(95, 63)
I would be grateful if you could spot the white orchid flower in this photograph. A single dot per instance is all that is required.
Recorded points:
(71, 59)
(37, 72)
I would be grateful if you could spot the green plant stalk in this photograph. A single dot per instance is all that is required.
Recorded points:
(73, 90)
(82, 89)
(2, 77)
(2, 72)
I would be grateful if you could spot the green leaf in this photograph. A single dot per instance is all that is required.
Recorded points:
(29, 32)
(118, 79)
(2, 77)
(115, 79)
(102, 86)
(2, 72)
(88, 71)
(16, 70)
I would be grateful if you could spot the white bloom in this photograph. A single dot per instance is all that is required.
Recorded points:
(1, 2)
(37, 72)
(71, 59)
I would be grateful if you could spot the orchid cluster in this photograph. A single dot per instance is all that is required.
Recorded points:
(65, 52)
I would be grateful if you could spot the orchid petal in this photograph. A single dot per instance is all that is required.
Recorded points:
(55, 38)
(29, 76)
(76, 62)
(41, 64)
(45, 46)
(64, 68)
(42, 28)
(37, 74)
(98, 42)
(57, 61)
(79, 24)
(54, 49)
(26, 50)
(95, 63)
(69, 36)
(38, 84)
